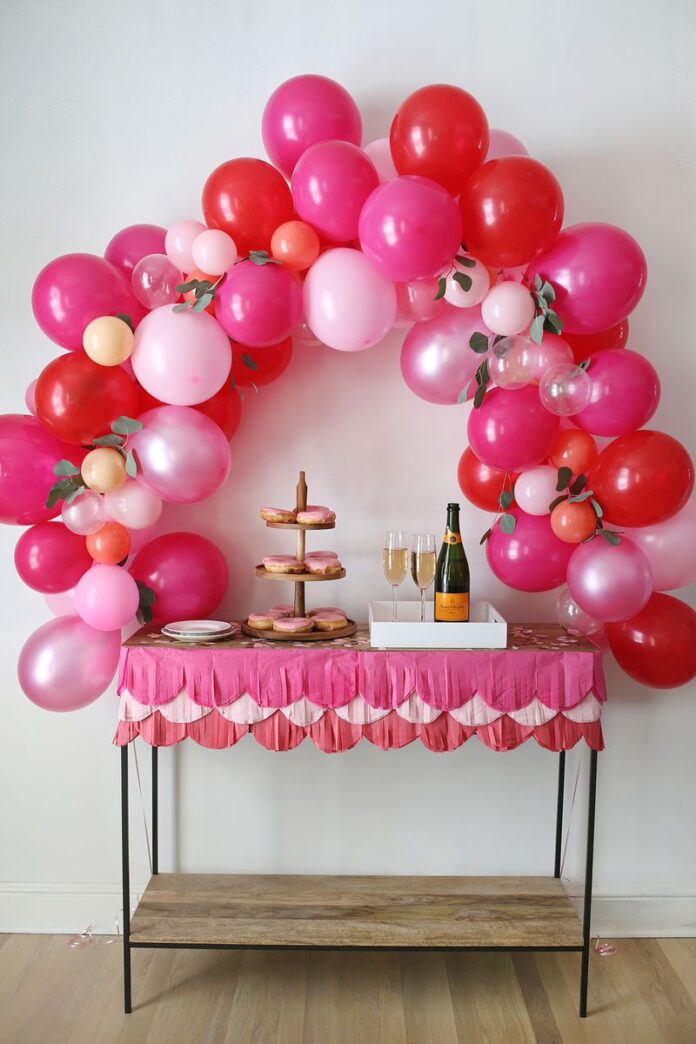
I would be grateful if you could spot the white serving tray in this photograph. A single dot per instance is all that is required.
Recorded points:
(485, 630)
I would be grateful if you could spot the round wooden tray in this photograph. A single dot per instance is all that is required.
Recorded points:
(297, 577)
(310, 636)
(300, 525)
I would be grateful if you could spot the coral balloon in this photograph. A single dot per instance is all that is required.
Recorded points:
(573, 449)
(131, 244)
(77, 399)
(565, 389)
(187, 572)
(657, 646)
(531, 558)
(535, 489)
(508, 309)
(379, 152)
(303, 111)
(502, 143)
(624, 393)
(108, 340)
(49, 558)
(258, 305)
(248, 199)
(436, 361)
(642, 478)
(439, 132)
(470, 290)
(155, 281)
(268, 363)
(110, 544)
(349, 304)
(133, 504)
(573, 522)
(417, 301)
(27, 456)
(178, 244)
(84, 514)
(103, 469)
(214, 251)
(585, 345)
(599, 275)
(410, 229)
(330, 184)
(479, 483)
(670, 547)
(66, 664)
(511, 208)
(576, 621)
(181, 358)
(512, 431)
(107, 597)
(183, 455)
(200, 276)
(609, 582)
(296, 244)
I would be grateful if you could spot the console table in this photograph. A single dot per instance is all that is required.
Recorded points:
(545, 685)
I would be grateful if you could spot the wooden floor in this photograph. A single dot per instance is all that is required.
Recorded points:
(52, 994)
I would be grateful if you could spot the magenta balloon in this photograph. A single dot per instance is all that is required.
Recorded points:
(258, 305)
(27, 455)
(188, 574)
(532, 558)
(670, 547)
(66, 664)
(76, 288)
(512, 431)
(304, 111)
(50, 558)
(182, 454)
(599, 274)
(502, 143)
(132, 244)
(106, 597)
(410, 228)
(625, 391)
(436, 361)
(330, 184)
(610, 582)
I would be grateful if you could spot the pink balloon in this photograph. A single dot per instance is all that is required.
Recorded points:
(418, 301)
(181, 358)
(62, 603)
(155, 281)
(599, 274)
(532, 558)
(478, 283)
(49, 558)
(502, 143)
(535, 489)
(106, 597)
(76, 288)
(214, 251)
(330, 184)
(306, 110)
(379, 151)
(27, 455)
(258, 305)
(410, 228)
(183, 455)
(508, 309)
(133, 504)
(30, 398)
(512, 431)
(624, 393)
(66, 664)
(132, 243)
(85, 514)
(436, 361)
(670, 547)
(349, 304)
(610, 582)
(178, 243)
(188, 574)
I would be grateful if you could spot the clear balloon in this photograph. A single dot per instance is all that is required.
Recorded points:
(508, 309)
(50, 558)
(349, 304)
(182, 358)
(258, 305)
(155, 281)
(187, 572)
(436, 361)
(535, 489)
(531, 558)
(379, 152)
(624, 392)
(330, 184)
(565, 390)
(512, 362)
(609, 582)
(85, 514)
(133, 504)
(27, 456)
(214, 251)
(417, 301)
(66, 664)
(183, 455)
(512, 431)
(502, 143)
(476, 279)
(576, 621)
(670, 547)
(129, 245)
(178, 244)
(107, 597)
(553, 351)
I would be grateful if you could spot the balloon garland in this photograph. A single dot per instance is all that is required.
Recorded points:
(446, 227)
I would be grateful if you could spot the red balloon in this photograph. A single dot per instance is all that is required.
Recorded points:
(585, 345)
(641, 478)
(511, 209)
(187, 572)
(225, 407)
(76, 399)
(50, 558)
(440, 132)
(269, 363)
(479, 483)
(657, 646)
(247, 198)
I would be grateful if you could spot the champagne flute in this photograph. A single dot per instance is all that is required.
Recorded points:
(423, 564)
(395, 562)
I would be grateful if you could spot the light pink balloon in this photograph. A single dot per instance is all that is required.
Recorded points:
(214, 251)
(85, 514)
(502, 143)
(436, 360)
(181, 358)
(349, 304)
(623, 395)
(610, 582)
(66, 664)
(183, 455)
(670, 547)
(106, 597)
(178, 244)
(379, 152)
(418, 301)
(133, 504)
(477, 276)
(508, 309)
(29, 399)
(535, 489)
(62, 603)
(532, 558)
(330, 185)
(155, 280)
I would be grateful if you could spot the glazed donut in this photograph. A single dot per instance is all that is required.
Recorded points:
(326, 609)
(293, 624)
(263, 621)
(282, 610)
(329, 621)
(283, 564)
(271, 514)
(320, 554)
(323, 566)
(315, 515)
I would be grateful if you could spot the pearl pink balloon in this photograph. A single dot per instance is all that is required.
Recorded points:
(107, 597)
(27, 455)
(183, 455)
(502, 143)
(132, 243)
(379, 151)
(670, 547)
(512, 431)
(349, 305)
(576, 621)
(181, 358)
(214, 251)
(624, 393)
(565, 389)
(49, 558)
(304, 111)
(508, 309)
(480, 284)
(258, 305)
(535, 489)
(62, 603)
(532, 558)
(30, 398)
(66, 664)
(178, 243)
(599, 274)
(436, 361)
(610, 582)
(133, 504)
(410, 229)
(330, 184)
(155, 281)
(188, 574)
(85, 514)
(418, 301)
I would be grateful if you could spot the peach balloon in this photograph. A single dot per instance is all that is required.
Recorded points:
(108, 340)
(573, 523)
(110, 544)
(296, 244)
(103, 469)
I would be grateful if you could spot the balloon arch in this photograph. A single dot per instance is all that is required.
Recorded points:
(445, 227)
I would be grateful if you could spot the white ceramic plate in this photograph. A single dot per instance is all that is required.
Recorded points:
(199, 630)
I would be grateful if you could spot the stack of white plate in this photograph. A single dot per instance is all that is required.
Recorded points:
(199, 630)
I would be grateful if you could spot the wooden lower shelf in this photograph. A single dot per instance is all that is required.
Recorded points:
(337, 911)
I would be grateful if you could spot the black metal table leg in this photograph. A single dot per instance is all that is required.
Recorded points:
(125, 877)
(559, 814)
(155, 816)
(587, 905)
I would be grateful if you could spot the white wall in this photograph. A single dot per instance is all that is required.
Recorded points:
(116, 113)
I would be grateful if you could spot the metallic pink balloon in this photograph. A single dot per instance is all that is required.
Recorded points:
(512, 431)
(27, 455)
(155, 280)
(532, 558)
(258, 305)
(132, 243)
(330, 184)
(502, 143)
(624, 393)
(66, 664)
(609, 582)
(183, 455)
(187, 572)
(436, 360)
(670, 547)
(49, 558)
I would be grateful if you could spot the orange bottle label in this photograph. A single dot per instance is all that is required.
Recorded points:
(452, 607)
(451, 538)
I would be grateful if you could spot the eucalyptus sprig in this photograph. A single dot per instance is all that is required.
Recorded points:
(505, 520)
(573, 490)
(69, 484)
(262, 257)
(121, 428)
(147, 598)
(203, 293)
(479, 343)
(460, 278)
(546, 319)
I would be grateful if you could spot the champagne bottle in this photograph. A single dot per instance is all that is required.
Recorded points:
(452, 575)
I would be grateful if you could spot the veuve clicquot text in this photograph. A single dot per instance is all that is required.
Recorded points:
(452, 574)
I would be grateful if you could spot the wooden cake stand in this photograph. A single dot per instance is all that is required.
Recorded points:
(299, 580)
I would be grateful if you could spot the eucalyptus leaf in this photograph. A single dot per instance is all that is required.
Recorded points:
(180, 307)
(505, 499)
(75, 493)
(126, 426)
(485, 537)
(611, 538)
(557, 501)
(249, 362)
(479, 396)
(585, 364)
(464, 393)
(65, 467)
(498, 338)
(580, 497)
(185, 288)
(478, 342)
(465, 262)
(508, 523)
(262, 257)
(547, 292)
(536, 330)
(201, 303)
(441, 288)
(125, 318)
(537, 282)
(564, 479)
(578, 484)
(115, 441)
(597, 508)
(552, 322)
(463, 280)
(131, 465)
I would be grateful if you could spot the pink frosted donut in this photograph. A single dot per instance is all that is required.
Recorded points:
(271, 514)
(320, 554)
(263, 621)
(282, 564)
(293, 624)
(329, 621)
(326, 609)
(282, 610)
(315, 515)
(323, 566)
